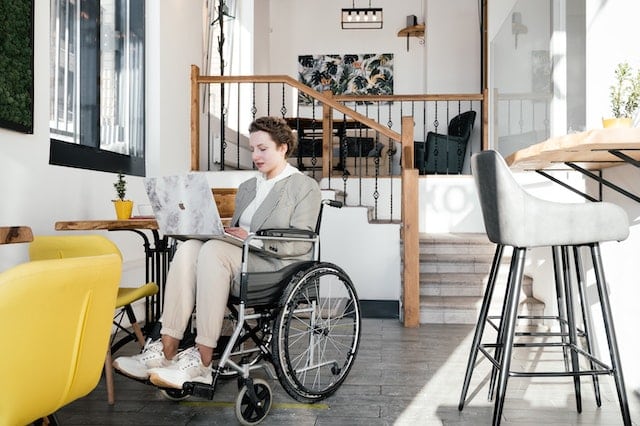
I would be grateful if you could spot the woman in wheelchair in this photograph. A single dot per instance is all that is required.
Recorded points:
(203, 273)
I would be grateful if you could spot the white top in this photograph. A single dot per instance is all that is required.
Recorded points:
(263, 187)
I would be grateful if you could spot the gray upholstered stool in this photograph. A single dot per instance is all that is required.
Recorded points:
(514, 218)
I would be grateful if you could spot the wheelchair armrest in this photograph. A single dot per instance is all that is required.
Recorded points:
(286, 233)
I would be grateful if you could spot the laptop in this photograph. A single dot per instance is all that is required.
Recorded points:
(184, 208)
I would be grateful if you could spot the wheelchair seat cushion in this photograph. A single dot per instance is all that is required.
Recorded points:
(265, 288)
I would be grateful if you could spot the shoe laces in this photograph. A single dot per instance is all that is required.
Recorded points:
(152, 350)
(189, 358)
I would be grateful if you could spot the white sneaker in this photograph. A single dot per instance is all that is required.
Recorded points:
(187, 368)
(138, 366)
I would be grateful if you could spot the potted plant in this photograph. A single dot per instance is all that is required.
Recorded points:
(122, 205)
(624, 95)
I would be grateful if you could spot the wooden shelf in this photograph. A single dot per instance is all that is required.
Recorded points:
(412, 31)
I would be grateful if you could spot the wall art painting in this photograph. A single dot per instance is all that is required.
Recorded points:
(356, 74)
(16, 65)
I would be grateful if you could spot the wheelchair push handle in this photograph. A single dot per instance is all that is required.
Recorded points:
(332, 203)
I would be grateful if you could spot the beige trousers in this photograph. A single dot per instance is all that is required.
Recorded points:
(201, 275)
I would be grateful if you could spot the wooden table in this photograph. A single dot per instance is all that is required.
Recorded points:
(148, 223)
(594, 150)
(586, 152)
(15, 234)
(157, 252)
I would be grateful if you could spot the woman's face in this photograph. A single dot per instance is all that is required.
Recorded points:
(268, 157)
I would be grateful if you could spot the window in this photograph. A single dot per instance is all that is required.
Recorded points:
(97, 85)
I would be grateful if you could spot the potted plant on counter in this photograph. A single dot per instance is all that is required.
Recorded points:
(624, 95)
(122, 205)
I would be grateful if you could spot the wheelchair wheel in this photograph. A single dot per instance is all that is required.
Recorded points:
(175, 394)
(253, 402)
(317, 332)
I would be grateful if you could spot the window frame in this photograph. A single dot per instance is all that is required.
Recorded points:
(89, 155)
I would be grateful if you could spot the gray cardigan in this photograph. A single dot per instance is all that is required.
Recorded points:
(293, 202)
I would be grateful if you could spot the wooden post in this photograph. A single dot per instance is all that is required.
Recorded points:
(484, 142)
(195, 118)
(410, 229)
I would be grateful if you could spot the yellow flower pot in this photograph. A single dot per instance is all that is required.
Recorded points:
(617, 122)
(123, 208)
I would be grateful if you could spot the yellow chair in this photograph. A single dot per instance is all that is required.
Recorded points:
(55, 317)
(67, 246)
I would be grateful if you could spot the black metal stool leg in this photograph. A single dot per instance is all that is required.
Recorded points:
(586, 318)
(482, 319)
(515, 282)
(611, 334)
(571, 324)
(500, 335)
(560, 301)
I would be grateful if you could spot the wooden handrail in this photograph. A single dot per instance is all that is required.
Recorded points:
(285, 79)
(408, 98)
(332, 101)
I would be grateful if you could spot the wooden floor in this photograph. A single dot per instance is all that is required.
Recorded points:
(401, 377)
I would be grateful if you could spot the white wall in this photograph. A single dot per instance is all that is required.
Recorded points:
(309, 27)
(453, 46)
(447, 60)
(176, 43)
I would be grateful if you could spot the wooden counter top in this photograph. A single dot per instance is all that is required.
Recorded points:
(589, 150)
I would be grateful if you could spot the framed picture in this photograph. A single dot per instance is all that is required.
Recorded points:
(357, 74)
(16, 65)
(540, 71)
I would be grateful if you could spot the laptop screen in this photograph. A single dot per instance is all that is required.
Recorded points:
(184, 205)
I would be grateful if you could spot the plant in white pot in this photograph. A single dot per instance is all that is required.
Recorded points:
(123, 206)
(624, 95)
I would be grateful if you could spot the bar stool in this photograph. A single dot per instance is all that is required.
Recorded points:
(514, 218)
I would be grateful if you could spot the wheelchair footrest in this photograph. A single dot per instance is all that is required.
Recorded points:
(200, 390)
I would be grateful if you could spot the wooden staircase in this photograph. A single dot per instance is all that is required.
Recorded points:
(454, 269)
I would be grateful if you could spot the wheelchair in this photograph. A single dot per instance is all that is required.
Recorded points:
(304, 320)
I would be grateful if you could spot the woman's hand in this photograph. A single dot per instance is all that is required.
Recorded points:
(237, 232)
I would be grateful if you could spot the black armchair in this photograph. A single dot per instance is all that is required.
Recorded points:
(445, 153)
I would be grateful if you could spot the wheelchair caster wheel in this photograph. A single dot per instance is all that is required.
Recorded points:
(253, 402)
(175, 394)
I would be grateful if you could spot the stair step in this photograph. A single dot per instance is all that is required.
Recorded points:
(449, 309)
(469, 242)
(454, 269)
(475, 279)
(456, 265)
(452, 284)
